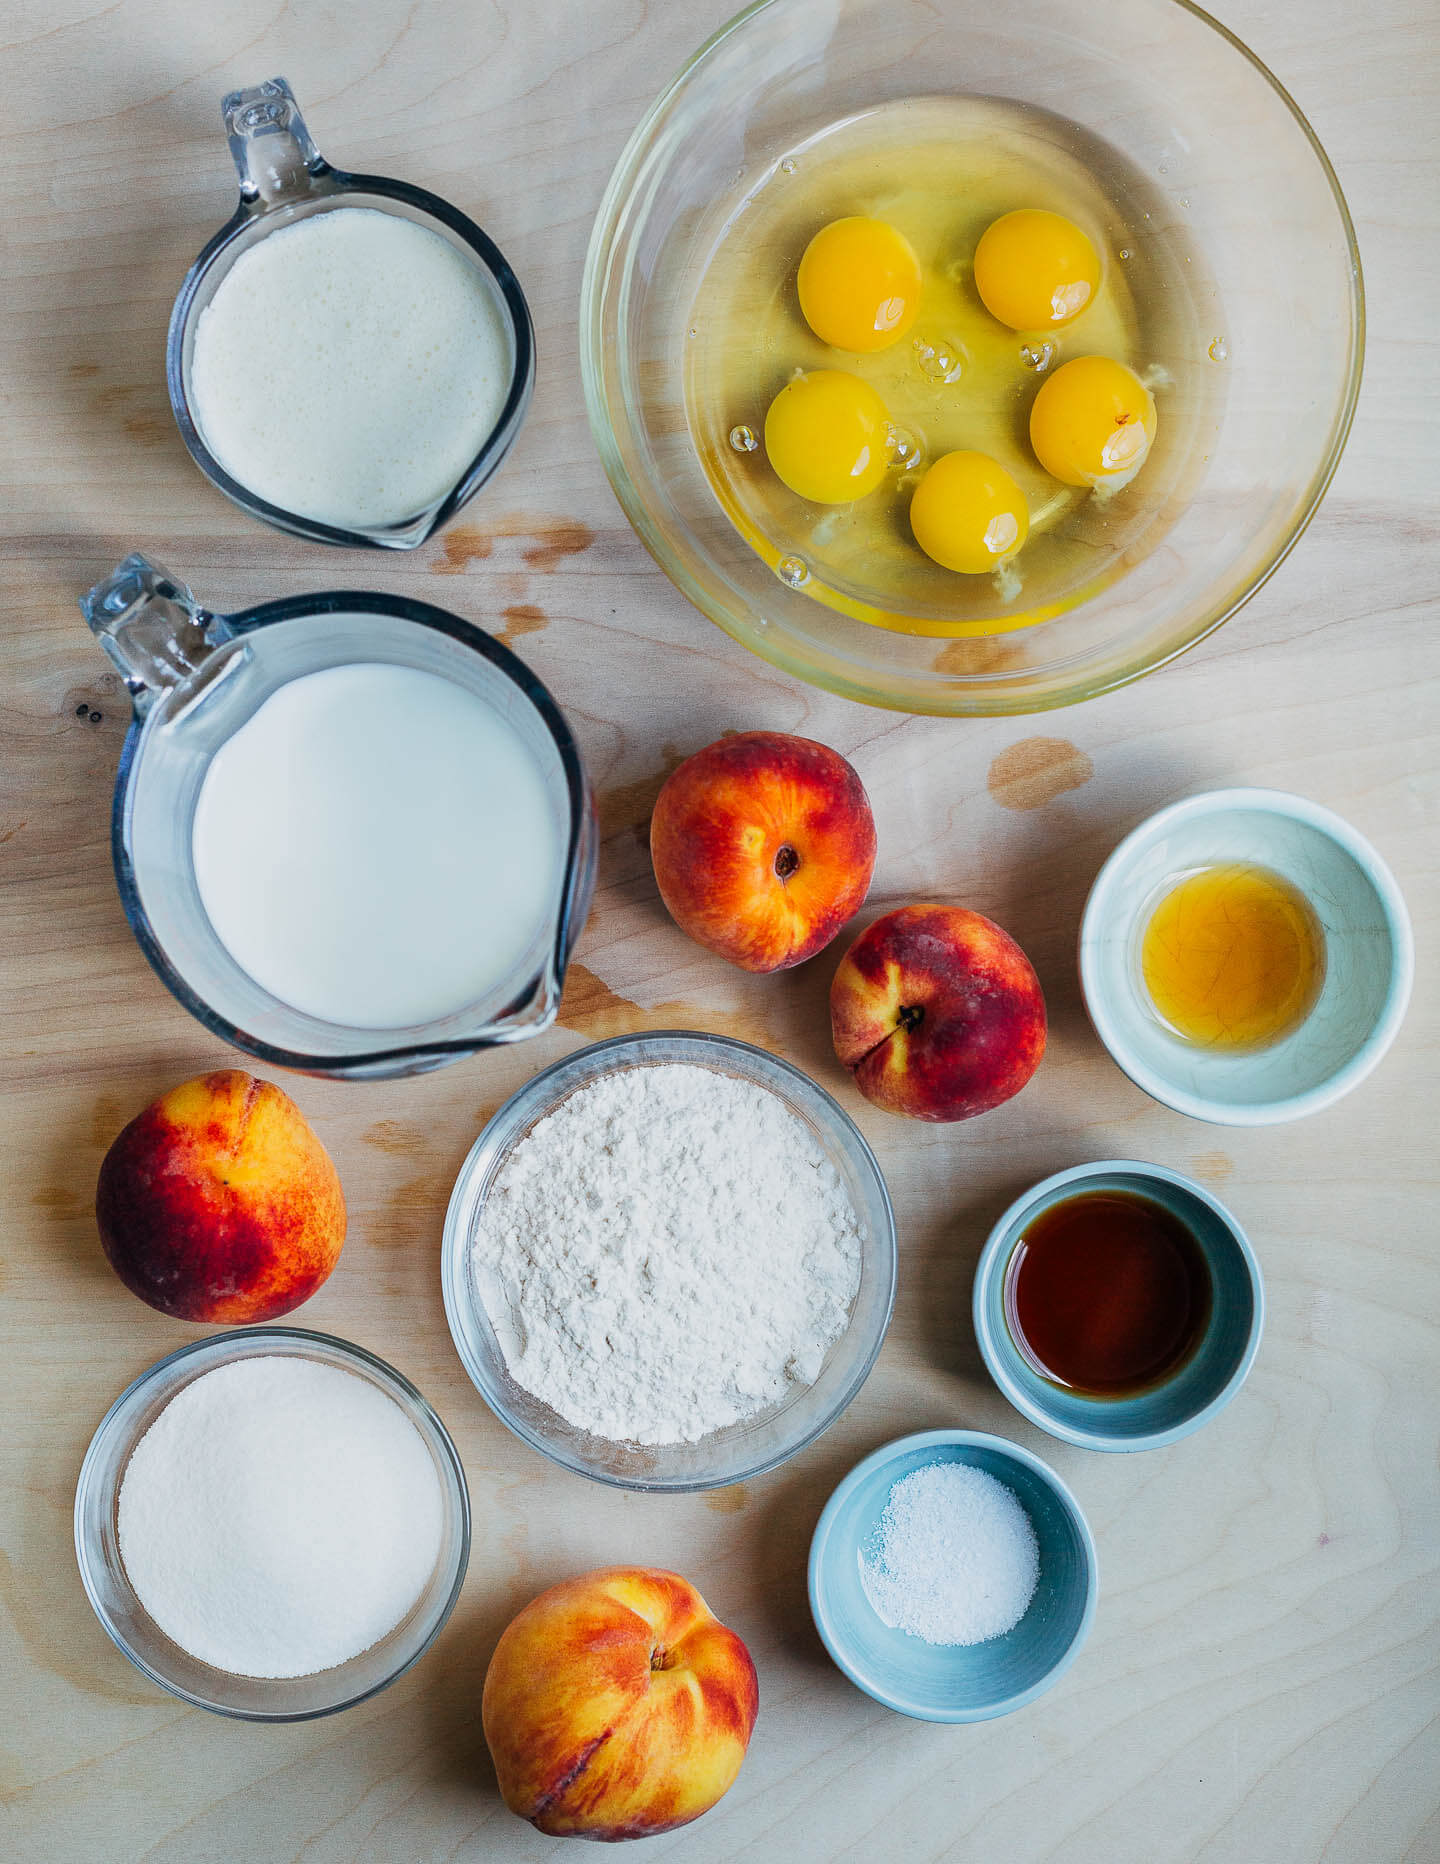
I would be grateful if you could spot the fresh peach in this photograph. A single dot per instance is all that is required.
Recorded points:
(219, 1203)
(937, 1013)
(763, 847)
(617, 1705)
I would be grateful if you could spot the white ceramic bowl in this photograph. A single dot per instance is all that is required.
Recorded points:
(1369, 956)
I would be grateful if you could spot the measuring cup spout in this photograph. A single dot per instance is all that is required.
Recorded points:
(151, 626)
(275, 156)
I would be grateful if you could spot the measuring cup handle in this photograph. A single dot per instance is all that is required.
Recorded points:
(275, 157)
(151, 627)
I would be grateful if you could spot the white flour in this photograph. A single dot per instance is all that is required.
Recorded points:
(666, 1253)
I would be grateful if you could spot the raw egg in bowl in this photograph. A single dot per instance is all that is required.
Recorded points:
(951, 209)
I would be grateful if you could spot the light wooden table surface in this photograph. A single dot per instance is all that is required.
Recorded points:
(1261, 1684)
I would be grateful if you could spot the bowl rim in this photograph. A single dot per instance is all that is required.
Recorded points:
(217, 1342)
(819, 1554)
(594, 370)
(1285, 805)
(1040, 1197)
(454, 1249)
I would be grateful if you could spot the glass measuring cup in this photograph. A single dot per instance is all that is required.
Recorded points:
(195, 678)
(284, 179)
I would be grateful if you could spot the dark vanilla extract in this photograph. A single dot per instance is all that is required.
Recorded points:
(1107, 1293)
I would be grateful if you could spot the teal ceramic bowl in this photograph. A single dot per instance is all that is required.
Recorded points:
(953, 1683)
(1199, 1388)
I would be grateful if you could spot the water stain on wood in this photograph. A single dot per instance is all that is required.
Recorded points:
(107, 1117)
(149, 424)
(591, 1008)
(59, 1202)
(727, 1501)
(412, 1217)
(1212, 1167)
(554, 542)
(82, 371)
(1037, 770)
(545, 542)
(148, 430)
(972, 655)
(460, 546)
(394, 1137)
(8, 834)
(522, 618)
(629, 805)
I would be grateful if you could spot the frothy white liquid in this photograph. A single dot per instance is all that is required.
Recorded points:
(350, 367)
(375, 846)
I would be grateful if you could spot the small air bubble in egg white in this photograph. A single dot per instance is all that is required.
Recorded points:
(1124, 252)
(787, 167)
(743, 439)
(1219, 350)
(947, 365)
(794, 571)
(1037, 356)
(906, 449)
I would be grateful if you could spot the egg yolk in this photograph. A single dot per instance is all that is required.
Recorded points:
(968, 514)
(1035, 269)
(859, 284)
(1092, 422)
(827, 435)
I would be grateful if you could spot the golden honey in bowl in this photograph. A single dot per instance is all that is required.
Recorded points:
(1233, 957)
(1019, 311)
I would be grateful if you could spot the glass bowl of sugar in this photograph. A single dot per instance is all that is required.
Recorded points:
(272, 1524)
(669, 1261)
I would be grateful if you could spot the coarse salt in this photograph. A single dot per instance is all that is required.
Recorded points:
(955, 1559)
(279, 1517)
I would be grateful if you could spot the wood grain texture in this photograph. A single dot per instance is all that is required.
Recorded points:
(1262, 1679)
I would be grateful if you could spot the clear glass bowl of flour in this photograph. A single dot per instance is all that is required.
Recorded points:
(116, 1605)
(758, 1442)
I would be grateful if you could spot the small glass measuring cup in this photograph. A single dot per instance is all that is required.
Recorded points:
(285, 179)
(194, 679)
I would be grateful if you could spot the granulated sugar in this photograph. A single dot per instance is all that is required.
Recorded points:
(669, 1251)
(279, 1517)
(956, 1560)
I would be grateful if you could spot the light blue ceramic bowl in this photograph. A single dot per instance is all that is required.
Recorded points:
(1199, 1388)
(953, 1683)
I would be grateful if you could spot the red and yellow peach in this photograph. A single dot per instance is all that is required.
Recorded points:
(617, 1705)
(937, 1013)
(763, 846)
(219, 1203)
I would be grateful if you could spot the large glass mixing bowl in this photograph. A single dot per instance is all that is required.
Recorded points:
(1234, 173)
